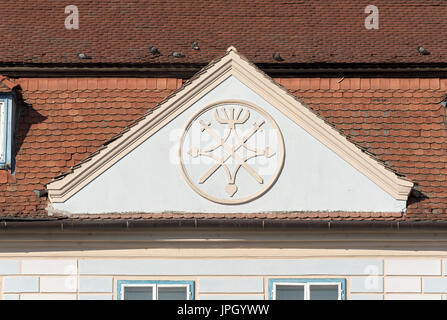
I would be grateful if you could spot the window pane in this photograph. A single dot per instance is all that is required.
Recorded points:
(138, 293)
(288, 292)
(172, 293)
(323, 292)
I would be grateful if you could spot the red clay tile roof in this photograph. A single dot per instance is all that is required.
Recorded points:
(312, 31)
(399, 120)
(65, 121)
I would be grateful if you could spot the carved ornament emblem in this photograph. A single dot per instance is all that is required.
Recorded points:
(231, 152)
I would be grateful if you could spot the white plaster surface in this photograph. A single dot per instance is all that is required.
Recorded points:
(20, 284)
(57, 266)
(9, 267)
(96, 296)
(366, 297)
(58, 284)
(403, 284)
(95, 284)
(149, 178)
(435, 285)
(366, 284)
(228, 266)
(47, 296)
(225, 284)
(413, 267)
(398, 296)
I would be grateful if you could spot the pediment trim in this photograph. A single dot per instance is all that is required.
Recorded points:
(231, 64)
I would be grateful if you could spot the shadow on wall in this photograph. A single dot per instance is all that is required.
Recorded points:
(26, 118)
(416, 196)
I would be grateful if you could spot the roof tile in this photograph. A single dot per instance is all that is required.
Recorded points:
(404, 127)
(310, 31)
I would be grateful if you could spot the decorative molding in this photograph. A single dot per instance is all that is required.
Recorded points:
(231, 64)
(231, 187)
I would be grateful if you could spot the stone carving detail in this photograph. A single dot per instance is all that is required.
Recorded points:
(233, 137)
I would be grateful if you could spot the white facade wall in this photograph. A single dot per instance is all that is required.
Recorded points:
(372, 278)
(222, 263)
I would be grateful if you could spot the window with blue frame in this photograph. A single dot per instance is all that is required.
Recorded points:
(155, 290)
(7, 127)
(307, 289)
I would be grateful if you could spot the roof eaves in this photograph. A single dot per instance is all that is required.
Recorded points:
(260, 224)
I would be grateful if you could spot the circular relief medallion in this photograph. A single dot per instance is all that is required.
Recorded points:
(231, 152)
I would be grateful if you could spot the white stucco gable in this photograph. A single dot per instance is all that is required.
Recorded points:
(231, 141)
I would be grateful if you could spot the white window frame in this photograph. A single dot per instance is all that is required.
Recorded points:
(155, 287)
(7, 126)
(306, 286)
(3, 126)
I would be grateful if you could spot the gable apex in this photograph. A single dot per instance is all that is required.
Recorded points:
(231, 64)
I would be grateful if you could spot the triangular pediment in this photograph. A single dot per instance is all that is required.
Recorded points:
(230, 140)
